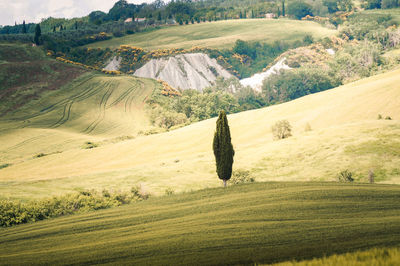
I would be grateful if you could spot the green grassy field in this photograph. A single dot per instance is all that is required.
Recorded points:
(220, 34)
(243, 224)
(393, 12)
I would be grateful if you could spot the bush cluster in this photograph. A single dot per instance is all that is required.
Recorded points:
(12, 213)
(281, 130)
(241, 176)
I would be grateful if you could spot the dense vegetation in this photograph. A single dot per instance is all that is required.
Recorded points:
(12, 212)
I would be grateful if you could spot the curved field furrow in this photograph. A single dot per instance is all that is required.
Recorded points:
(130, 100)
(122, 96)
(54, 106)
(102, 111)
(22, 143)
(65, 116)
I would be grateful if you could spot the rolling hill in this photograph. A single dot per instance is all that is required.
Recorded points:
(26, 73)
(346, 134)
(220, 34)
(243, 224)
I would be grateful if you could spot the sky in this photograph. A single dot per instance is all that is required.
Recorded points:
(12, 11)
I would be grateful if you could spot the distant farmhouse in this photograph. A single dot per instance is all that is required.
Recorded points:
(136, 20)
(270, 15)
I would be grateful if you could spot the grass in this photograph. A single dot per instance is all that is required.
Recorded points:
(26, 73)
(220, 34)
(243, 224)
(376, 256)
(343, 120)
(394, 12)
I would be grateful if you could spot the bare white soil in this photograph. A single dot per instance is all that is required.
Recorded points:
(185, 71)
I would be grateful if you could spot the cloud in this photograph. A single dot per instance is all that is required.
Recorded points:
(35, 10)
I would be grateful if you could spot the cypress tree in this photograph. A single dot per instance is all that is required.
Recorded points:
(23, 27)
(54, 29)
(38, 33)
(223, 149)
(283, 8)
(76, 25)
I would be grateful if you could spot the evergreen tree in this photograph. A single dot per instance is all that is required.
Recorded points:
(223, 149)
(240, 14)
(23, 27)
(76, 25)
(283, 8)
(38, 34)
(54, 29)
(159, 16)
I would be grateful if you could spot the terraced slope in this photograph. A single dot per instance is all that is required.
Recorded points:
(246, 224)
(220, 34)
(346, 134)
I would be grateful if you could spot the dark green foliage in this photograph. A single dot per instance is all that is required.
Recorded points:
(12, 213)
(345, 176)
(292, 84)
(331, 5)
(38, 35)
(4, 165)
(223, 149)
(390, 3)
(299, 9)
(89, 145)
(23, 27)
(373, 4)
(308, 39)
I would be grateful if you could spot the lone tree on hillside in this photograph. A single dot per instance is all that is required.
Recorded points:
(38, 34)
(223, 149)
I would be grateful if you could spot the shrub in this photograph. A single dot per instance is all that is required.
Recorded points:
(89, 145)
(241, 176)
(308, 39)
(12, 213)
(388, 118)
(169, 191)
(281, 130)
(380, 117)
(139, 192)
(345, 176)
(4, 165)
